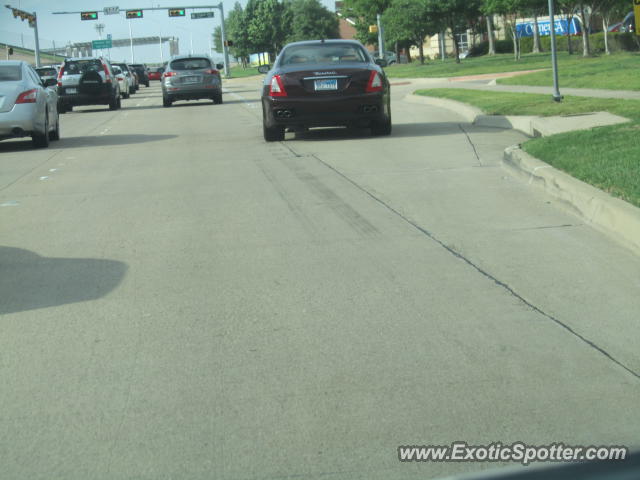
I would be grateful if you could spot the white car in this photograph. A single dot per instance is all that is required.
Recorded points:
(28, 105)
(123, 81)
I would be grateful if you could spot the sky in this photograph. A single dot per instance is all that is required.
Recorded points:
(62, 29)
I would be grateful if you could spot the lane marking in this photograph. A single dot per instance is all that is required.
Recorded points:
(10, 203)
(44, 177)
(53, 170)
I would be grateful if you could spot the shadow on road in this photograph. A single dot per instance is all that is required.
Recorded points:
(87, 141)
(426, 129)
(30, 281)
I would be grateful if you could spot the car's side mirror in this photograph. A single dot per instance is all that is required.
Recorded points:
(381, 62)
(264, 68)
(50, 82)
(219, 66)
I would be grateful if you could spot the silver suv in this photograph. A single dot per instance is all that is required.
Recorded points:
(191, 77)
(87, 81)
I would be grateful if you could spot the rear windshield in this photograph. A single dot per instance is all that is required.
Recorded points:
(47, 72)
(81, 66)
(10, 73)
(190, 64)
(121, 66)
(323, 53)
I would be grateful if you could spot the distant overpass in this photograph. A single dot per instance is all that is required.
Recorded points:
(84, 49)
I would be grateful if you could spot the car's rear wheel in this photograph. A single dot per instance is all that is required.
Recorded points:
(113, 103)
(132, 89)
(166, 101)
(381, 128)
(41, 140)
(146, 84)
(55, 133)
(125, 95)
(273, 134)
(217, 98)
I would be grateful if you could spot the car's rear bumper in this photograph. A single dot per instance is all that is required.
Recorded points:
(19, 122)
(103, 98)
(191, 93)
(358, 110)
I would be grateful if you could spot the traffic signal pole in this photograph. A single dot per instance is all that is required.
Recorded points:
(225, 47)
(32, 18)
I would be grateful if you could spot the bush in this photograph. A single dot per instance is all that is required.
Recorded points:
(617, 42)
(482, 48)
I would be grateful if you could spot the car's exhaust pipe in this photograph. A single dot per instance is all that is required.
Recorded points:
(284, 113)
(370, 108)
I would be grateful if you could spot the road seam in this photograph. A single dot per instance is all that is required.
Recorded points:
(479, 269)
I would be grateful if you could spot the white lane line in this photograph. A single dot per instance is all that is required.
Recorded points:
(10, 203)
(44, 177)
(239, 97)
(53, 170)
(105, 130)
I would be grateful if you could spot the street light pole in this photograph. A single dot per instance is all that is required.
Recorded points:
(131, 43)
(554, 54)
(35, 32)
(380, 38)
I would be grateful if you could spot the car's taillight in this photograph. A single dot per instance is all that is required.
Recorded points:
(60, 75)
(375, 83)
(107, 77)
(212, 71)
(276, 89)
(169, 74)
(120, 78)
(29, 96)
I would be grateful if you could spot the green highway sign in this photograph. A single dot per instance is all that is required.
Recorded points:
(202, 15)
(101, 44)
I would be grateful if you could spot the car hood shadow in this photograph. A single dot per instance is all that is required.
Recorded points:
(30, 281)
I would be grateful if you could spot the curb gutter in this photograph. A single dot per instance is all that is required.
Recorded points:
(608, 214)
(612, 216)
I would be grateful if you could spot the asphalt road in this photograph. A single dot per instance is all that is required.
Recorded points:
(180, 300)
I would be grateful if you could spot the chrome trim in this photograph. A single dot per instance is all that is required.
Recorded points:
(326, 78)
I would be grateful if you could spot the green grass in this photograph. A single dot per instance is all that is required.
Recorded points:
(605, 157)
(615, 72)
(239, 72)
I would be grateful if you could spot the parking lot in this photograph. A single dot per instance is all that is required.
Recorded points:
(181, 299)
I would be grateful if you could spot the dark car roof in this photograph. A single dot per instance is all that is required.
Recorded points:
(320, 42)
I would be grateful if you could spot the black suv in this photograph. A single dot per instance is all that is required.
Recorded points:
(87, 81)
(143, 74)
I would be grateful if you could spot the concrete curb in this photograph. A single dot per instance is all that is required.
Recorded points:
(531, 125)
(610, 215)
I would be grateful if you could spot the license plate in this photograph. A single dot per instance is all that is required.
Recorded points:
(191, 79)
(326, 84)
(71, 90)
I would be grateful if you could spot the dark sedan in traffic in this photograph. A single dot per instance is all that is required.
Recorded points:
(325, 83)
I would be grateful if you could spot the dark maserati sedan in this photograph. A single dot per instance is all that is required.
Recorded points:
(325, 83)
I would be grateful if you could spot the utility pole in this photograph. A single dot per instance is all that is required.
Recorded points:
(554, 54)
(133, 59)
(225, 47)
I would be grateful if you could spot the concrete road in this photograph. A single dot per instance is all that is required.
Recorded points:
(180, 300)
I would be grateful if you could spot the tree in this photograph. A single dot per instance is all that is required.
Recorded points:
(267, 23)
(217, 39)
(364, 13)
(536, 8)
(310, 20)
(610, 9)
(236, 30)
(455, 16)
(409, 21)
(509, 9)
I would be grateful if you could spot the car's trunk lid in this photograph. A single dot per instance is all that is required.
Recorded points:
(318, 80)
(9, 92)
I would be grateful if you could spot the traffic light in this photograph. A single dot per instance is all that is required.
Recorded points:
(88, 15)
(176, 12)
(134, 13)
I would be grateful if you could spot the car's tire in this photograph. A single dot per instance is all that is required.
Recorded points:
(55, 133)
(113, 103)
(166, 101)
(42, 140)
(381, 128)
(62, 108)
(217, 98)
(119, 103)
(132, 89)
(146, 84)
(69, 108)
(273, 134)
(126, 95)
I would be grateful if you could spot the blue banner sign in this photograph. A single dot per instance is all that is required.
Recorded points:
(526, 29)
